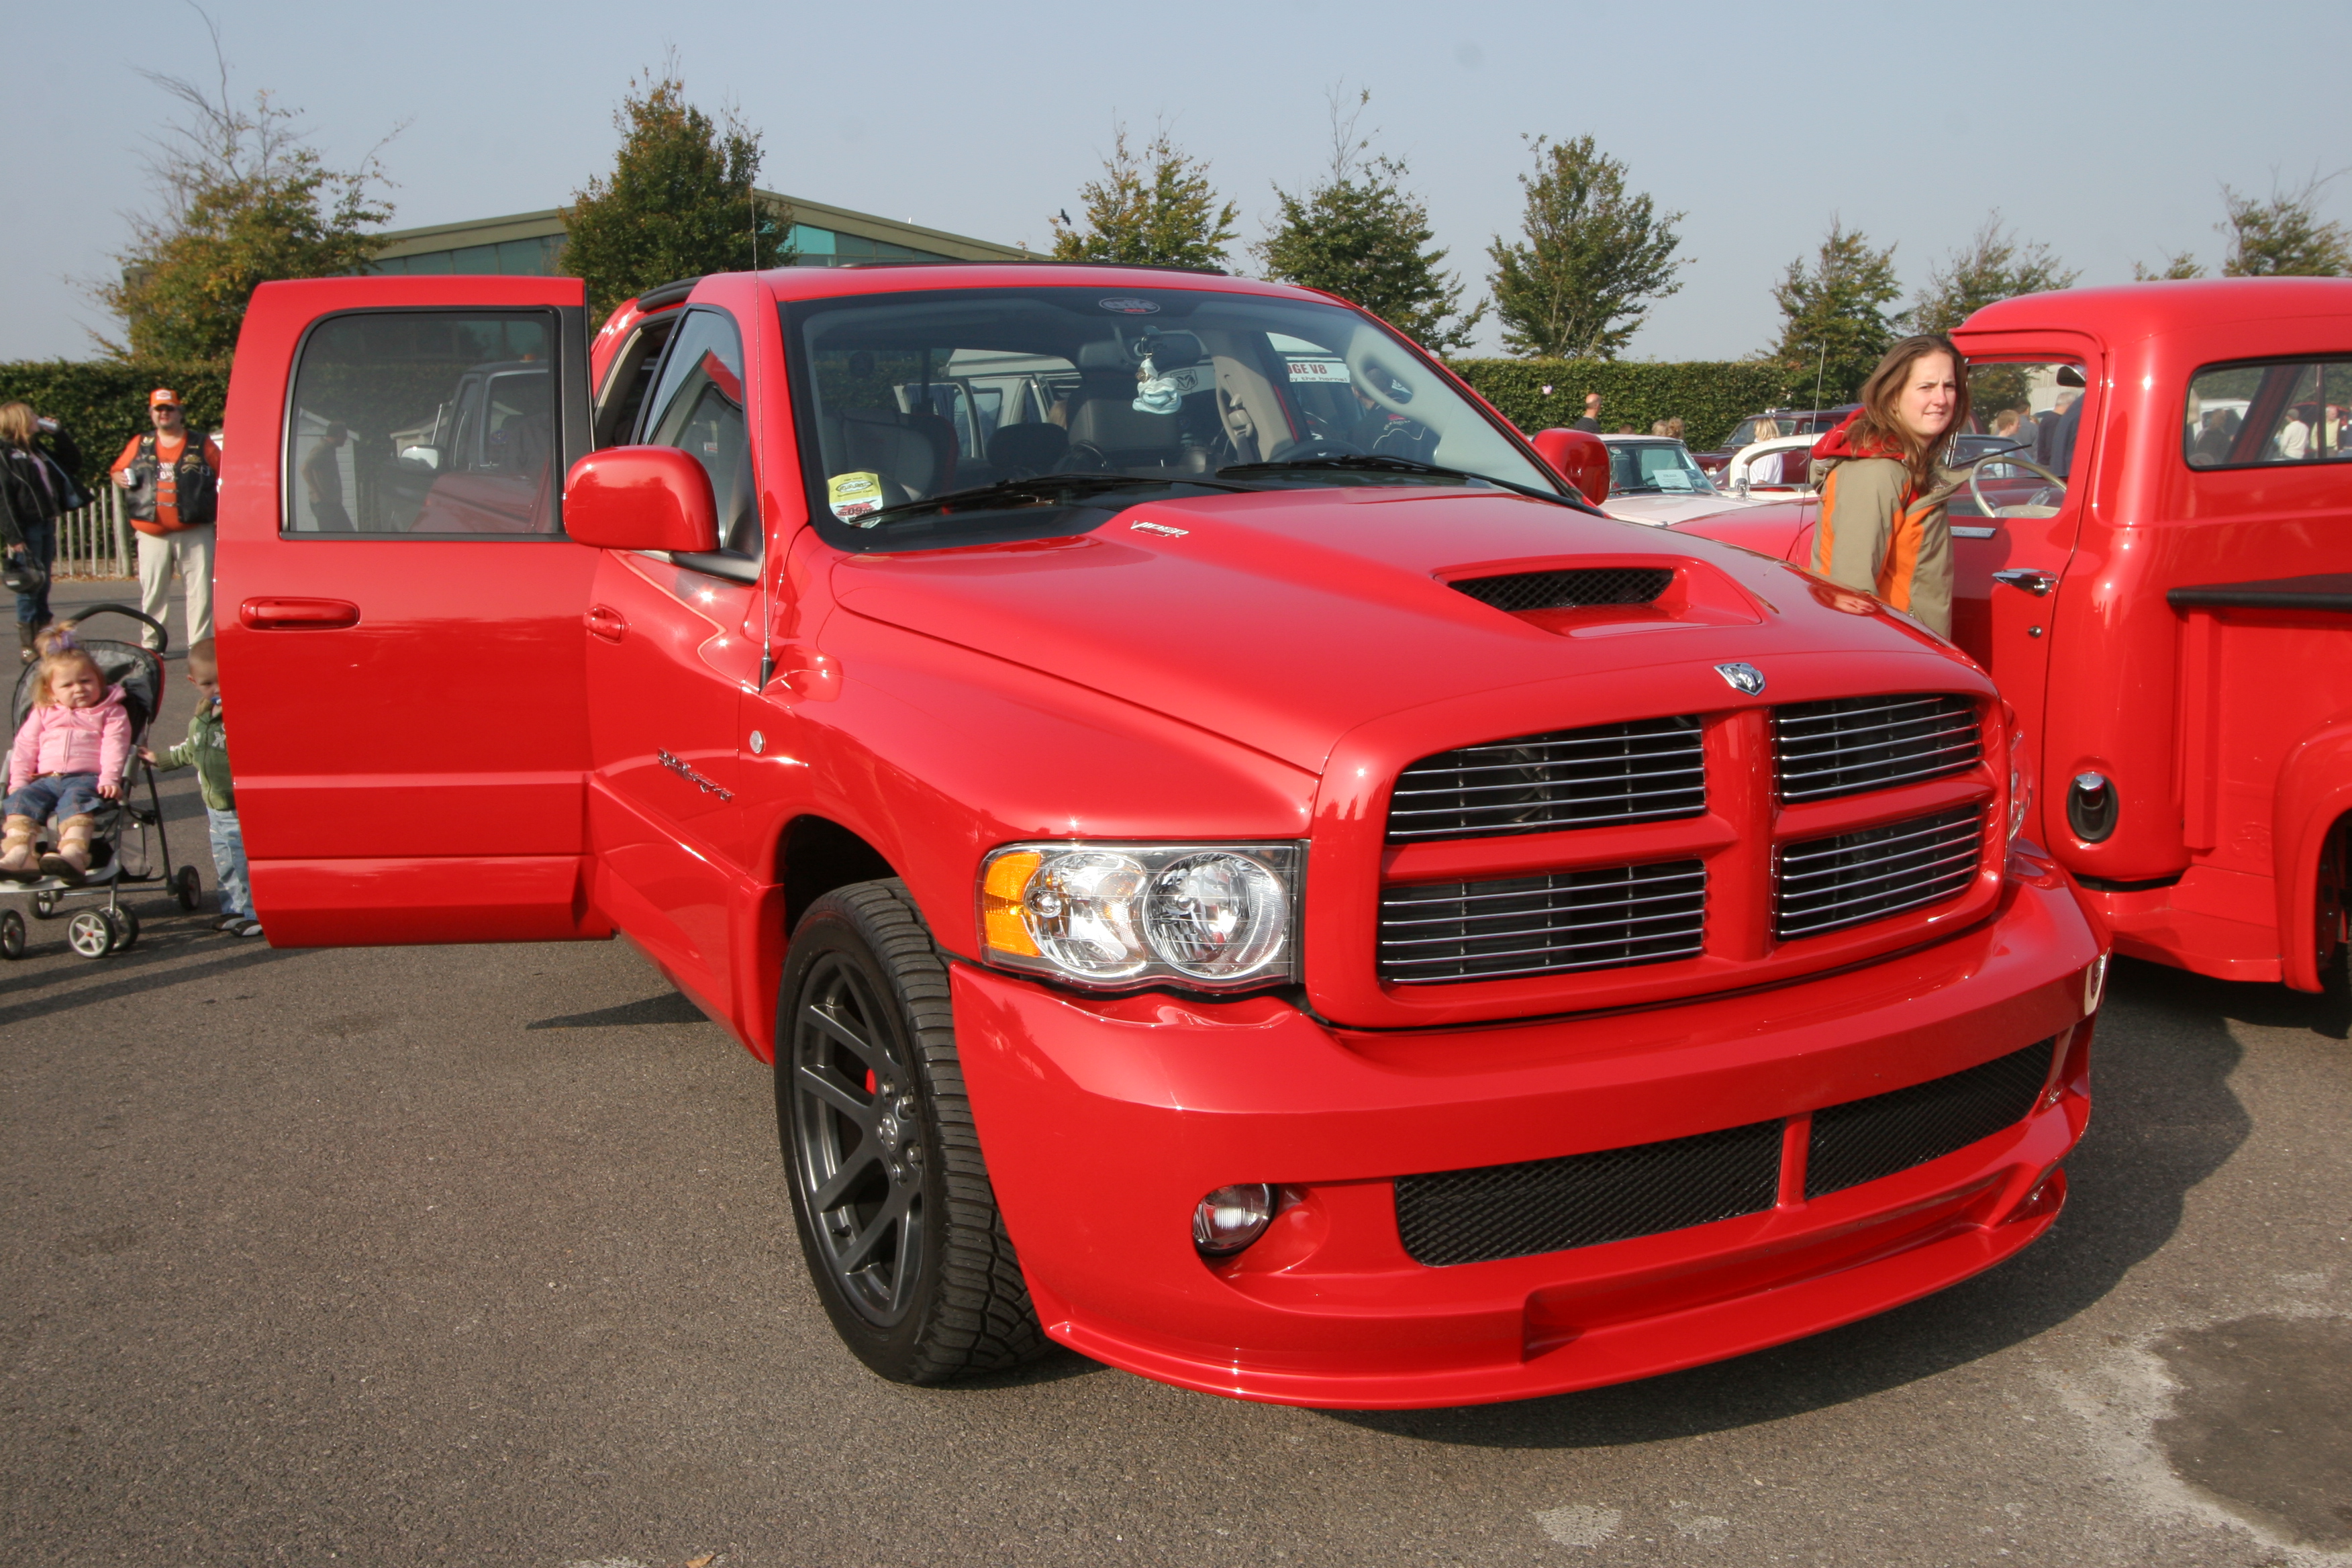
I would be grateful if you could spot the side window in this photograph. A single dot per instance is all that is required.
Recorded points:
(698, 408)
(433, 422)
(630, 378)
(2254, 416)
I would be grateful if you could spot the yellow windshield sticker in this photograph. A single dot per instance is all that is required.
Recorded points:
(852, 496)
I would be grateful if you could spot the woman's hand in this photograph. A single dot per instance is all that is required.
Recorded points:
(147, 756)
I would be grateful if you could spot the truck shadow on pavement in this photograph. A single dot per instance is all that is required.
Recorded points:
(2163, 1119)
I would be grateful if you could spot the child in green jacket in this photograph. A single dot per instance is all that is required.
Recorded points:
(207, 747)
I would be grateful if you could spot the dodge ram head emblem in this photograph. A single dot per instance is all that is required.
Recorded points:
(1744, 677)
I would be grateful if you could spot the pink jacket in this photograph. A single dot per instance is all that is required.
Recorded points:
(61, 739)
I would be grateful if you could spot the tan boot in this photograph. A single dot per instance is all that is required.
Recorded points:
(17, 861)
(69, 861)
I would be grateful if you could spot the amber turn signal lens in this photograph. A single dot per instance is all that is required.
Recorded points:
(1000, 902)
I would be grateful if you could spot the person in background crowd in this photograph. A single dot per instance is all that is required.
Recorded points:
(38, 462)
(1658, 428)
(1592, 420)
(2069, 424)
(1674, 426)
(322, 476)
(1768, 468)
(207, 747)
(2005, 424)
(171, 485)
(1882, 528)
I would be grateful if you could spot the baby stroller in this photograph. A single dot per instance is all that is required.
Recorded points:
(110, 928)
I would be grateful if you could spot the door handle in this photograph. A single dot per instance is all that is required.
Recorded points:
(297, 615)
(606, 624)
(2037, 583)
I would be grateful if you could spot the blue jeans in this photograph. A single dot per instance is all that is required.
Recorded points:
(67, 794)
(41, 545)
(228, 862)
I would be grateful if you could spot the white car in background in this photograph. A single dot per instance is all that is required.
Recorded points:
(1654, 480)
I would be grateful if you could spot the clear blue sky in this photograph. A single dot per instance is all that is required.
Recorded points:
(2104, 129)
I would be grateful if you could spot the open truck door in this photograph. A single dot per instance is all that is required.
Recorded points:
(401, 612)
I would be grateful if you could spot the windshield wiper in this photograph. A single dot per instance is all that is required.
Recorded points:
(1381, 462)
(1044, 488)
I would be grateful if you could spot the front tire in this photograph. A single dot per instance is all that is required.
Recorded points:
(894, 1211)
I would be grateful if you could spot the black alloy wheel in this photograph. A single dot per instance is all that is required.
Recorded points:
(896, 1215)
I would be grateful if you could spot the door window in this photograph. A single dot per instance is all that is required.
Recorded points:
(424, 423)
(2255, 415)
(698, 408)
(2023, 440)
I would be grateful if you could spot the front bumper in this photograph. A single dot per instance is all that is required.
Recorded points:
(1104, 1123)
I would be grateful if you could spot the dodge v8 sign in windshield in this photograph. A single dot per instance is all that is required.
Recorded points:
(982, 415)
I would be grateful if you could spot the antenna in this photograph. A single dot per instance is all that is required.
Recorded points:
(1820, 366)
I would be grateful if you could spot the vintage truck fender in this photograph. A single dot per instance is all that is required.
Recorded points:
(2315, 790)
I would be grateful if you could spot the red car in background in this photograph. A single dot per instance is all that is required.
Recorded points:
(2168, 605)
(1299, 922)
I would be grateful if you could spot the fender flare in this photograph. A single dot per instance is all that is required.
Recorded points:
(2315, 790)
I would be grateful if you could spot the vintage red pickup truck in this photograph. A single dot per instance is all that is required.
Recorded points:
(1239, 871)
(2164, 599)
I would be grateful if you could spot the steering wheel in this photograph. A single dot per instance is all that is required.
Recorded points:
(1315, 446)
(1082, 457)
(2045, 503)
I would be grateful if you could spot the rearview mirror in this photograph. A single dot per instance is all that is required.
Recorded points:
(1579, 456)
(640, 498)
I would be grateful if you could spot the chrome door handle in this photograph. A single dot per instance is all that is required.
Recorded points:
(2037, 583)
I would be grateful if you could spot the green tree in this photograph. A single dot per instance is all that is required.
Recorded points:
(2178, 266)
(1834, 325)
(1155, 208)
(243, 201)
(2283, 237)
(1594, 257)
(1359, 234)
(678, 203)
(1993, 266)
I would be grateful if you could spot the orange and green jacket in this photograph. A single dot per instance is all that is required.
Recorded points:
(1879, 532)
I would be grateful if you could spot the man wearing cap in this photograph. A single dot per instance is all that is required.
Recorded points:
(172, 486)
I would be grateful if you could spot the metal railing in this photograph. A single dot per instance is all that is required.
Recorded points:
(95, 541)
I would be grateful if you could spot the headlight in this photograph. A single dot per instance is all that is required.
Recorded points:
(1120, 916)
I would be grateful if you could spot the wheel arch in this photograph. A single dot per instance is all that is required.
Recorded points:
(2313, 799)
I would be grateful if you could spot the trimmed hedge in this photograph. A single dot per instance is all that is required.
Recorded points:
(1709, 396)
(104, 402)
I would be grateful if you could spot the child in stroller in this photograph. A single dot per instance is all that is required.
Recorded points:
(69, 756)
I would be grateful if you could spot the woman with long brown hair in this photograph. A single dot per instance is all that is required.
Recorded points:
(1881, 526)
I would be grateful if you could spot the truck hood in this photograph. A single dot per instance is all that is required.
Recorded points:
(1284, 620)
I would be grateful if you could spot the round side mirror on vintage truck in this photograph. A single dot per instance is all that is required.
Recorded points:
(641, 497)
(1579, 456)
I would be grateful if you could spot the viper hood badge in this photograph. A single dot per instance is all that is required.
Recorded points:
(1744, 677)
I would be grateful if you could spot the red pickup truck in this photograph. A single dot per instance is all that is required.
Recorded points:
(1341, 926)
(2161, 586)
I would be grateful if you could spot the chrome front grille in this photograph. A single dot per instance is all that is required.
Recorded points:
(1609, 918)
(1851, 744)
(1646, 770)
(1829, 884)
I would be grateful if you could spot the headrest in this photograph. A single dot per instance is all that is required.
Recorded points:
(1108, 353)
(1030, 448)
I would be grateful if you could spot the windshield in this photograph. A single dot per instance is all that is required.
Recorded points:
(1655, 467)
(1067, 406)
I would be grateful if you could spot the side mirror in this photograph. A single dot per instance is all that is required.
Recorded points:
(640, 498)
(1579, 456)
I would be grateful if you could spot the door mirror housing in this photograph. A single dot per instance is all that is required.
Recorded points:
(641, 497)
(1579, 456)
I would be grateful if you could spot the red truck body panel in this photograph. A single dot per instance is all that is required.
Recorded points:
(529, 739)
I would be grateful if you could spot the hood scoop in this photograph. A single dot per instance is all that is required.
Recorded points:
(1575, 588)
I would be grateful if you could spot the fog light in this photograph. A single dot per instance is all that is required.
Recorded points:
(2091, 806)
(1232, 1218)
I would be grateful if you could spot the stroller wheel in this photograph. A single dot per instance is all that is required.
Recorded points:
(44, 904)
(12, 934)
(126, 927)
(91, 933)
(188, 889)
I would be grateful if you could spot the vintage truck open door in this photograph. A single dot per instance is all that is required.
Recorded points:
(400, 621)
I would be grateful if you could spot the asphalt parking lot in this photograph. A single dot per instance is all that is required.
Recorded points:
(482, 1256)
